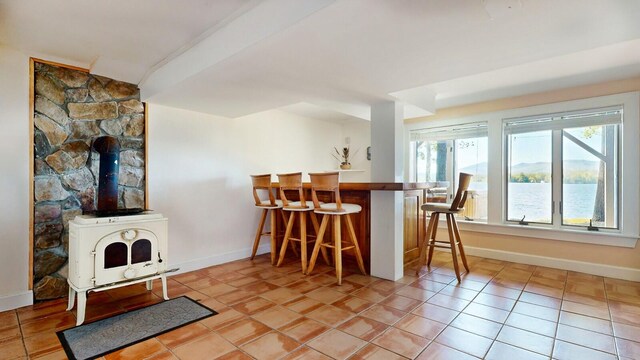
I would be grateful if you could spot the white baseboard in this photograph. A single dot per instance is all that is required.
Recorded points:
(217, 259)
(15, 301)
(617, 272)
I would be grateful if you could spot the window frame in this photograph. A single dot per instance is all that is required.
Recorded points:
(628, 230)
(466, 128)
(618, 172)
(507, 176)
(557, 166)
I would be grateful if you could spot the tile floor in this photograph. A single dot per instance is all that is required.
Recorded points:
(500, 310)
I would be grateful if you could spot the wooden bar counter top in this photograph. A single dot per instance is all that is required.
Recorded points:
(360, 193)
(373, 186)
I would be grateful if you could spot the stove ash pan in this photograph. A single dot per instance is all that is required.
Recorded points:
(109, 250)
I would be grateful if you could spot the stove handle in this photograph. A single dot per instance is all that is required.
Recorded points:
(159, 258)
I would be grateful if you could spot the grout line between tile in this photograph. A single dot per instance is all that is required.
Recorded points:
(289, 269)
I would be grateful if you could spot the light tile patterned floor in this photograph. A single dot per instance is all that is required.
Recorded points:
(500, 310)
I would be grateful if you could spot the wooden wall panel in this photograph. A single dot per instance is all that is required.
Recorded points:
(412, 224)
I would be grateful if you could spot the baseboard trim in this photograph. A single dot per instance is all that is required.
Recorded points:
(217, 259)
(15, 301)
(611, 271)
(617, 272)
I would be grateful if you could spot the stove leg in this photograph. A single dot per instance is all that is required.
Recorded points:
(82, 304)
(164, 287)
(149, 285)
(72, 298)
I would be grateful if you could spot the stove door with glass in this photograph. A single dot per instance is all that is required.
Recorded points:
(125, 255)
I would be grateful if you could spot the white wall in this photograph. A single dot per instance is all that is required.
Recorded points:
(280, 142)
(359, 134)
(14, 179)
(199, 167)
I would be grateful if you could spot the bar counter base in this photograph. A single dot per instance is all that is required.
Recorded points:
(388, 228)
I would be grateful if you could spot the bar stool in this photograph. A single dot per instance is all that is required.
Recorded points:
(429, 241)
(329, 182)
(263, 183)
(293, 182)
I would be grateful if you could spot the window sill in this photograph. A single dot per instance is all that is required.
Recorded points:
(607, 238)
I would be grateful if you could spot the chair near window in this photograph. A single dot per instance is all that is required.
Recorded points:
(262, 183)
(297, 209)
(329, 182)
(429, 241)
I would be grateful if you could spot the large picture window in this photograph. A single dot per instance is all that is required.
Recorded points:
(562, 169)
(440, 154)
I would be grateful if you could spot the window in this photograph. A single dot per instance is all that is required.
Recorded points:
(590, 176)
(440, 154)
(562, 169)
(529, 177)
(566, 167)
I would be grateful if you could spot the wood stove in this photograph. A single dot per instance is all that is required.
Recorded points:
(113, 247)
(111, 252)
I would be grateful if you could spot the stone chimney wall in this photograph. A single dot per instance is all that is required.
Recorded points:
(72, 108)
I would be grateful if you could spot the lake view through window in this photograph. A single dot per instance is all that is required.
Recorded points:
(563, 168)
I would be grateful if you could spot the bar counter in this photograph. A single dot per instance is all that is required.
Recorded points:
(374, 186)
(360, 193)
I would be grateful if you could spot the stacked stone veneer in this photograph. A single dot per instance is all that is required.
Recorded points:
(72, 108)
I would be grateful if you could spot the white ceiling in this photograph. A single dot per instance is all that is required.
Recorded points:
(321, 113)
(122, 39)
(611, 62)
(333, 58)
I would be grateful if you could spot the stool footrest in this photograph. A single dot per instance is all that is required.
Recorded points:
(300, 240)
(440, 246)
(429, 243)
(342, 248)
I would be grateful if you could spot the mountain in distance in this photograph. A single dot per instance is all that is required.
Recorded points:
(477, 169)
(480, 169)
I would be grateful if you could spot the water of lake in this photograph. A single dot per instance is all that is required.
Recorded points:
(534, 201)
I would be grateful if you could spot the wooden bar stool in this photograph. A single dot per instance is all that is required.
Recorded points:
(293, 182)
(329, 182)
(263, 183)
(429, 240)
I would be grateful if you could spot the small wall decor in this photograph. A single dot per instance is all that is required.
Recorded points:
(344, 157)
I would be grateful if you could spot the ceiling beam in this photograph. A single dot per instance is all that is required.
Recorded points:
(419, 101)
(265, 19)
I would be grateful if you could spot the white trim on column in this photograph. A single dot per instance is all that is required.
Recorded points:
(387, 165)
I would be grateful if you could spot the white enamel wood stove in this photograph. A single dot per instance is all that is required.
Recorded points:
(111, 252)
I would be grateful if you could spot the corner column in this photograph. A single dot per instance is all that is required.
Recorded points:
(387, 232)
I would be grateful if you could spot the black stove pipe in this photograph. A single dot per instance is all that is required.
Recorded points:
(109, 149)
